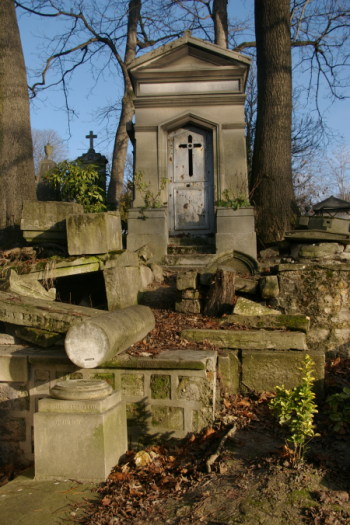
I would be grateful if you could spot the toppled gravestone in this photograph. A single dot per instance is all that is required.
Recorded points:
(44, 222)
(94, 233)
(246, 307)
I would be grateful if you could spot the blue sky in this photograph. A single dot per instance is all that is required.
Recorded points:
(87, 96)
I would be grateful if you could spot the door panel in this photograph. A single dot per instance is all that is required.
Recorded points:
(190, 176)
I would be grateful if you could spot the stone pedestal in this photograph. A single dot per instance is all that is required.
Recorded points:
(235, 230)
(148, 227)
(81, 434)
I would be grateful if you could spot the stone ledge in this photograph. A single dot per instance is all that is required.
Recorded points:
(168, 360)
(249, 339)
(263, 370)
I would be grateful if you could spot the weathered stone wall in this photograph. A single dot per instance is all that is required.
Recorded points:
(172, 394)
(322, 292)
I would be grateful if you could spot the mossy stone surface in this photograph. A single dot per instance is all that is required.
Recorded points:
(160, 386)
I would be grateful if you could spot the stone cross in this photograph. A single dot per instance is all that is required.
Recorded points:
(91, 136)
(190, 147)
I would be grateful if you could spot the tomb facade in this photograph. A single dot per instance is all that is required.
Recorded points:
(189, 147)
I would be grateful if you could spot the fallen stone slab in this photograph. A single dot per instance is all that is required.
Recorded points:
(38, 313)
(31, 288)
(38, 337)
(249, 339)
(299, 323)
(96, 340)
(244, 306)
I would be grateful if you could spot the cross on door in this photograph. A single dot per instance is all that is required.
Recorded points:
(190, 145)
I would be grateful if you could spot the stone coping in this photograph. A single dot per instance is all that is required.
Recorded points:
(167, 360)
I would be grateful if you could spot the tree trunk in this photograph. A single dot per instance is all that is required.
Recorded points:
(272, 189)
(16, 150)
(220, 22)
(121, 139)
(221, 296)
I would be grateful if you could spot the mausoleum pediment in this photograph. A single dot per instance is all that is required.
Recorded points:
(190, 56)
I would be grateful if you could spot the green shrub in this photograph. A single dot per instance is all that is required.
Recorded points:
(78, 183)
(338, 408)
(151, 200)
(232, 200)
(296, 409)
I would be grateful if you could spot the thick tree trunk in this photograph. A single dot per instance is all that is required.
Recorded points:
(121, 139)
(272, 189)
(220, 22)
(16, 151)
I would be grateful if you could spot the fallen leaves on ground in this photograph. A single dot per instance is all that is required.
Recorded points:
(167, 333)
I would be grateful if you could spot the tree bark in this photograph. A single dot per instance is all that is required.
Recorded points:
(220, 22)
(121, 139)
(16, 151)
(272, 189)
(221, 296)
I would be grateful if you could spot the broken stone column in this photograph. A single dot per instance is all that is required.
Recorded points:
(96, 340)
(79, 432)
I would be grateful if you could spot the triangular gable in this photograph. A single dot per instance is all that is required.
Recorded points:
(332, 203)
(187, 51)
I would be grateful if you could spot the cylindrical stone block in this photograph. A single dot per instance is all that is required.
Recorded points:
(92, 342)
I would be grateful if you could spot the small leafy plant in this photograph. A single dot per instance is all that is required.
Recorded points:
(78, 183)
(231, 200)
(338, 408)
(296, 408)
(151, 200)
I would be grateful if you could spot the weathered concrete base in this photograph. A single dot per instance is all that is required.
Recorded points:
(80, 440)
(148, 227)
(235, 231)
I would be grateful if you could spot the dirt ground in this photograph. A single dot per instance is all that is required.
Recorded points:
(253, 480)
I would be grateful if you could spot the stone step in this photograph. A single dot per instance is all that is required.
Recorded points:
(186, 261)
(248, 339)
(185, 240)
(190, 249)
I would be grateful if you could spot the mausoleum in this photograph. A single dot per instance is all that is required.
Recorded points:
(189, 147)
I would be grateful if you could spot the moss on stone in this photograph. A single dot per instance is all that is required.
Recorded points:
(160, 386)
(132, 384)
(109, 378)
